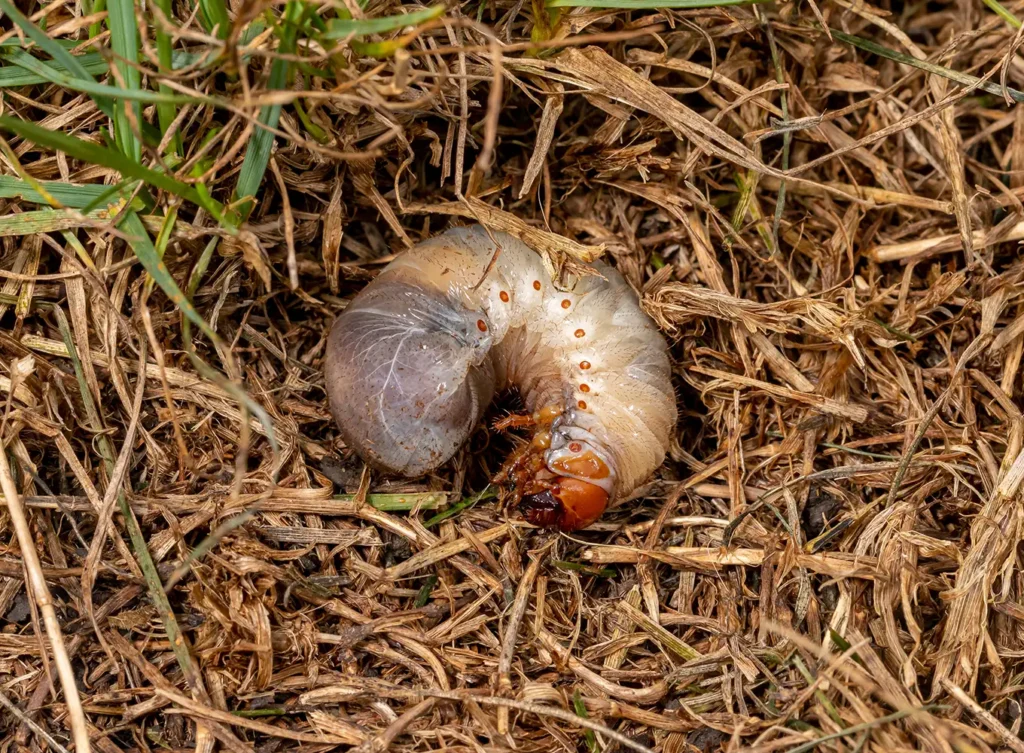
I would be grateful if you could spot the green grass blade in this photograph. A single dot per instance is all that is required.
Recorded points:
(93, 65)
(207, 545)
(113, 198)
(142, 245)
(829, 707)
(49, 74)
(343, 27)
(388, 502)
(166, 112)
(46, 221)
(179, 644)
(208, 372)
(961, 78)
(581, 711)
(68, 194)
(312, 128)
(1003, 13)
(862, 727)
(124, 39)
(17, 75)
(52, 48)
(460, 506)
(17, 44)
(257, 153)
(423, 596)
(580, 567)
(213, 14)
(101, 155)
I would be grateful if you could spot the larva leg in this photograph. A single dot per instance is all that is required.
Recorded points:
(547, 496)
(522, 466)
(514, 421)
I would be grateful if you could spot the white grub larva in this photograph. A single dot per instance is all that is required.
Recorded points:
(416, 357)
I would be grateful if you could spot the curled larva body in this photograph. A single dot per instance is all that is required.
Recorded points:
(416, 357)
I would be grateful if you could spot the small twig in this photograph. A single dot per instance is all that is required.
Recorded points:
(57, 500)
(289, 225)
(158, 353)
(645, 695)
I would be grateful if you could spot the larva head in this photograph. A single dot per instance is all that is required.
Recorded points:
(575, 481)
(569, 505)
(407, 375)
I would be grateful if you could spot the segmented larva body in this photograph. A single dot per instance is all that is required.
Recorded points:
(416, 357)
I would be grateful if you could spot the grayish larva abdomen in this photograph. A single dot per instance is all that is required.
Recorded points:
(416, 357)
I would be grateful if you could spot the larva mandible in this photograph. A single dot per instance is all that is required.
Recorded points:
(416, 357)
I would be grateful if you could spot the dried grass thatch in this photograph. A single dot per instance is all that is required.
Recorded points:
(821, 204)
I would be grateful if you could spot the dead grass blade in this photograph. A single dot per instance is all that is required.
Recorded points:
(554, 248)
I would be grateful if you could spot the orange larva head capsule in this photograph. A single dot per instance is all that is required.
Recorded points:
(570, 505)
